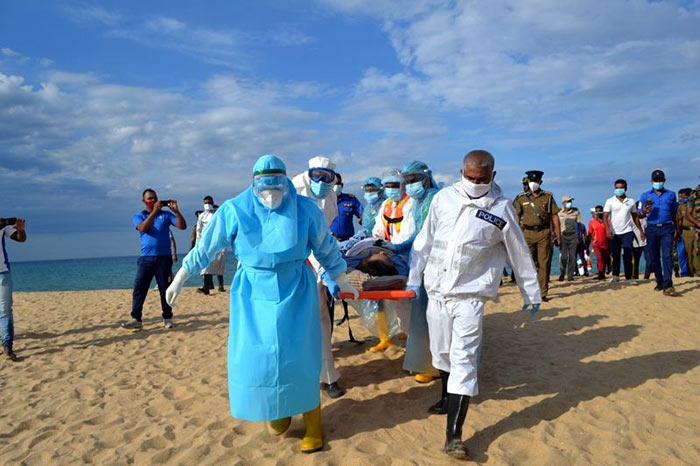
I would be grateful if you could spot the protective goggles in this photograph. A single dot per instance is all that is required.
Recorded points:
(413, 178)
(321, 175)
(371, 188)
(265, 182)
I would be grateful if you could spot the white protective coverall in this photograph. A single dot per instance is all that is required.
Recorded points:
(329, 207)
(218, 265)
(461, 251)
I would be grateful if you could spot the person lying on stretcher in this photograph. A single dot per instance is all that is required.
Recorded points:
(387, 271)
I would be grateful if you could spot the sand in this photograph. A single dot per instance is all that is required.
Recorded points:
(606, 374)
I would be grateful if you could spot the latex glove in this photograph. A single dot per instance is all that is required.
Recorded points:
(416, 290)
(175, 287)
(533, 311)
(341, 285)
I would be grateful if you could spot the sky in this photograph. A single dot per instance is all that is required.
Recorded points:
(100, 100)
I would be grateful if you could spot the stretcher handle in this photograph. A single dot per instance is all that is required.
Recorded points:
(393, 295)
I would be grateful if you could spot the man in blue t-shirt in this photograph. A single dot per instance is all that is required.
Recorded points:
(153, 224)
(659, 208)
(348, 207)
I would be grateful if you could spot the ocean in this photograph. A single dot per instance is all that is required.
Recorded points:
(108, 273)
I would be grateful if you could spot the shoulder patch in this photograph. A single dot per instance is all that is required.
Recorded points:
(494, 220)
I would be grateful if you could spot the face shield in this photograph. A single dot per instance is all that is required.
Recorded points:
(270, 189)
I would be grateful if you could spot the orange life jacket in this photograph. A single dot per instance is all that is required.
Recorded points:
(393, 217)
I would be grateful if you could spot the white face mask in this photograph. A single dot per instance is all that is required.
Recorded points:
(271, 198)
(475, 190)
(534, 186)
(209, 207)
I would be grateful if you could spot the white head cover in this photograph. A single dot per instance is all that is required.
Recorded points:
(321, 162)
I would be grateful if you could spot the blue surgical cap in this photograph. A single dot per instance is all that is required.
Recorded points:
(269, 165)
(419, 168)
(374, 181)
(392, 176)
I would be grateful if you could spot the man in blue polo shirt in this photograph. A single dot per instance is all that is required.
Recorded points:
(659, 208)
(348, 207)
(153, 224)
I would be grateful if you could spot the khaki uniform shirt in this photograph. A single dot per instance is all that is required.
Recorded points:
(545, 203)
(569, 220)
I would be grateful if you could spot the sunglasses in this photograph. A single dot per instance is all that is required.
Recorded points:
(413, 178)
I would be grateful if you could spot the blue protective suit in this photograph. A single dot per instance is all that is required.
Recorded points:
(418, 357)
(369, 216)
(274, 345)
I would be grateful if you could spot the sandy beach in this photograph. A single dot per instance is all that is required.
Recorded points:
(606, 374)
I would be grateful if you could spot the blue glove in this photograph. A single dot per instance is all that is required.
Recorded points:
(333, 287)
(416, 290)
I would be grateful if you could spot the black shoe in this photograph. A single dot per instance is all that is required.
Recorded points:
(334, 390)
(133, 324)
(545, 299)
(561, 278)
(658, 288)
(441, 406)
(457, 406)
(203, 290)
(9, 354)
(221, 289)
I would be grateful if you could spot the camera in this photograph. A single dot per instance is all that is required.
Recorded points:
(648, 203)
(8, 221)
(165, 203)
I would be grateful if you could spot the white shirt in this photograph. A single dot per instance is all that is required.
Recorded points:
(6, 232)
(465, 243)
(621, 220)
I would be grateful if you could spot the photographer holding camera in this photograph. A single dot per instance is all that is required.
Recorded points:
(12, 228)
(156, 258)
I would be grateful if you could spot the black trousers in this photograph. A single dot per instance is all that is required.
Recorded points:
(149, 267)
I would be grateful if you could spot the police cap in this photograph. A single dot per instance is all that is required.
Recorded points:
(658, 175)
(534, 175)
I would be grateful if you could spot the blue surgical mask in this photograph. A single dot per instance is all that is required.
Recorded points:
(658, 185)
(619, 192)
(568, 205)
(416, 190)
(320, 189)
(683, 200)
(371, 198)
(337, 189)
(393, 193)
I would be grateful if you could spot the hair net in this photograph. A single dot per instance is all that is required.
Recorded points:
(419, 168)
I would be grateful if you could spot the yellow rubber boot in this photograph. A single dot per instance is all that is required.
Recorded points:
(383, 330)
(313, 438)
(425, 377)
(279, 426)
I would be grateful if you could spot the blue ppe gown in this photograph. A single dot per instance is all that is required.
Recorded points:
(274, 345)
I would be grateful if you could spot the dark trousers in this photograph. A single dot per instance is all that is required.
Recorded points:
(208, 281)
(660, 251)
(622, 244)
(638, 252)
(149, 267)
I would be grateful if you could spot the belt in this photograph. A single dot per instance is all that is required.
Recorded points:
(536, 227)
(662, 224)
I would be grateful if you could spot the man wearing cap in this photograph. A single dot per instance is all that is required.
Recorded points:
(692, 215)
(659, 208)
(317, 183)
(569, 218)
(348, 207)
(537, 213)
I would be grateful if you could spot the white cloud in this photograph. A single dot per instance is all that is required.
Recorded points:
(550, 65)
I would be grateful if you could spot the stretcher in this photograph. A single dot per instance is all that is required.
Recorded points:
(392, 295)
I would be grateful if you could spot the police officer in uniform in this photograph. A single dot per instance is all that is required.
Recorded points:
(537, 212)
(348, 207)
(692, 215)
